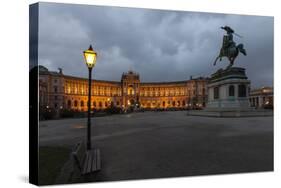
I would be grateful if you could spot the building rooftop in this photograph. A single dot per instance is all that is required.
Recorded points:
(130, 74)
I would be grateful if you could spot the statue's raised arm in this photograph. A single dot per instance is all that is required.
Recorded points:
(228, 29)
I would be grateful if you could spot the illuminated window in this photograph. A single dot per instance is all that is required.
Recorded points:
(131, 91)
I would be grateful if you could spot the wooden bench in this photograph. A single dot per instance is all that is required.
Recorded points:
(88, 161)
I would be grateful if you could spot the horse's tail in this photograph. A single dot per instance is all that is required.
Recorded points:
(241, 49)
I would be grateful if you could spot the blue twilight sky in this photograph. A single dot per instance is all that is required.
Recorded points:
(160, 45)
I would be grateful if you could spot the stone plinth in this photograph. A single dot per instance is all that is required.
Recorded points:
(228, 95)
(228, 90)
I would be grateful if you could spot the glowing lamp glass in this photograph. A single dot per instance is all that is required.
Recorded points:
(90, 57)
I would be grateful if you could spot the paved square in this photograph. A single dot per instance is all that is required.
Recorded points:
(169, 144)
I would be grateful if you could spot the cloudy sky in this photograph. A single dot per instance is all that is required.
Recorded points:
(159, 45)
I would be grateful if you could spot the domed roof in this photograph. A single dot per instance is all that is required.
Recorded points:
(42, 68)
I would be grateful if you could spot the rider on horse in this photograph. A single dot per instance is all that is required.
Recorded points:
(229, 48)
(228, 39)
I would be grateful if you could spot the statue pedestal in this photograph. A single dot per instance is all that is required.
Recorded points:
(228, 90)
(228, 95)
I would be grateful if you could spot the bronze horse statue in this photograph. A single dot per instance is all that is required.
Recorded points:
(229, 48)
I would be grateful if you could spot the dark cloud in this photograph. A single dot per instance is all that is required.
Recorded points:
(160, 45)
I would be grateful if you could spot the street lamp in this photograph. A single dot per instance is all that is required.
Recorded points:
(90, 57)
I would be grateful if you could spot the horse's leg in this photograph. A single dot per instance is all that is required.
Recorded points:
(233, 58)
(230, 62)
(216, 60)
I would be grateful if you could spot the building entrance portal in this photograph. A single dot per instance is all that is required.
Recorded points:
(132, 102)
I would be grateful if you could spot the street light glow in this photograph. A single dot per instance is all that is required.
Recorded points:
(90, 57)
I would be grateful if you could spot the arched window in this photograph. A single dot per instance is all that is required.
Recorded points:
(241, 90)
(216, 93)
(69, 103)
(231, 91)
(82, 103)
(94, 103)
(100, 104)
(163, 103)
(75, 103)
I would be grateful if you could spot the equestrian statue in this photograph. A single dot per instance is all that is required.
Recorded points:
(229, 48)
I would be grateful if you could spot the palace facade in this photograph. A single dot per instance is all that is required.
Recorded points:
(60, 91)
(262, 97)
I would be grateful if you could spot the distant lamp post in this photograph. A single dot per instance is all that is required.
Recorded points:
(90, 59)
(108, 102)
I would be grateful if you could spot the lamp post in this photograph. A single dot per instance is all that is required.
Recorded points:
(90, 57)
